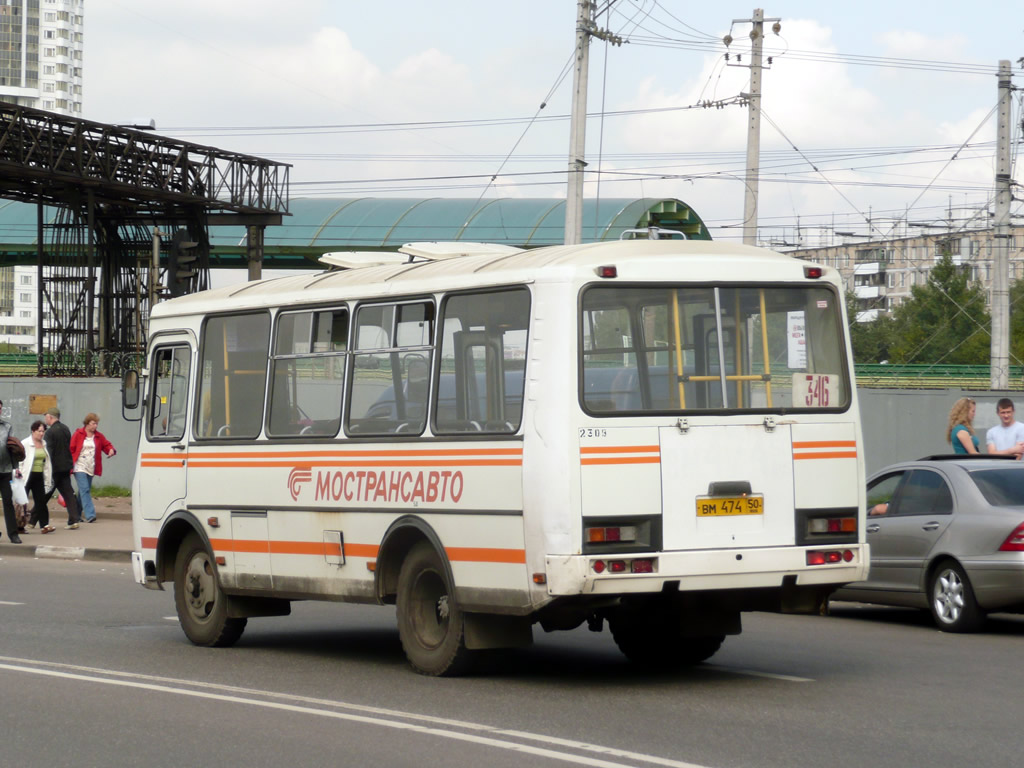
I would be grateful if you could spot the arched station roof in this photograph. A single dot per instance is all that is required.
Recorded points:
(320, 225)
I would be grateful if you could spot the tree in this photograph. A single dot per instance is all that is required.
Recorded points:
(1017, 322)
(872, 339)
(944, 321)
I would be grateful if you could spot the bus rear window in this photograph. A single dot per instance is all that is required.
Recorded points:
(693, 348)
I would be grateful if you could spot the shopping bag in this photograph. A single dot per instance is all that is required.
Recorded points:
(18, 491)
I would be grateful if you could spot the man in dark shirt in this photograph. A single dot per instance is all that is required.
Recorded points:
(58, 445)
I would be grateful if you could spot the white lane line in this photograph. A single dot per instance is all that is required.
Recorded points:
(170, 618)
(7, 602)
(373, 716)
(756, 673)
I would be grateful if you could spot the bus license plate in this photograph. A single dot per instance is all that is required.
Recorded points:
(722, 506)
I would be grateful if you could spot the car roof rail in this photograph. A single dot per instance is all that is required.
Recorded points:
(966, 456)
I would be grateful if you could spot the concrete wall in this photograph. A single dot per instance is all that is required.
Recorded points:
(75, 398)
(899, 424)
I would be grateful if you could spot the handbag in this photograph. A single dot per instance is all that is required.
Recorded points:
(18, 491)
(16, 450)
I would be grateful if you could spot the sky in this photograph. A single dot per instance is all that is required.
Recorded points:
(415, 99)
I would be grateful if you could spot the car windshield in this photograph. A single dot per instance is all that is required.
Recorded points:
(1001, 487)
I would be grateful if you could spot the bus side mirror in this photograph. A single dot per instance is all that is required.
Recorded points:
(129, 393)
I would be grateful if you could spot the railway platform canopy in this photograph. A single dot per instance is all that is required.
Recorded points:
(316, 226)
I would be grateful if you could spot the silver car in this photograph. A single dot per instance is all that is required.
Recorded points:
(947, 535)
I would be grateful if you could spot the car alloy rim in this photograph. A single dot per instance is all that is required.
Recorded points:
(949, 596)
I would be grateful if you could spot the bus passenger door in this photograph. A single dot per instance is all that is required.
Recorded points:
(164, 455)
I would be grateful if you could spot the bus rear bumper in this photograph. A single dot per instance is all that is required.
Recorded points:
(701, 570)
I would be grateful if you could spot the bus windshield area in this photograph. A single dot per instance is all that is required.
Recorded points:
(694, 348)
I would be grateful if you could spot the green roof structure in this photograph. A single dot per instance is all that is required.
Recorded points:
(321, 225)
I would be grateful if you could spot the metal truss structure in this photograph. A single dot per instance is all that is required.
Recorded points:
(118, 191)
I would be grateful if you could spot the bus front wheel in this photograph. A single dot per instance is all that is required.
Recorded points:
(201, 604)
(430, 623)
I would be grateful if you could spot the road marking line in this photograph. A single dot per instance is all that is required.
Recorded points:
(373, 716)
(756, 673)
(7, 602)
(170, 618)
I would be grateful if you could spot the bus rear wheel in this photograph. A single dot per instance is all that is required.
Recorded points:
(656, 644)
(430, 623)
(201, 604)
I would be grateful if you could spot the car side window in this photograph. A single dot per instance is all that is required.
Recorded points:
(881, 492)
(925, 493)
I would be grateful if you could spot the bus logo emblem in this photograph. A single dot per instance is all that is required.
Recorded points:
(296, 478)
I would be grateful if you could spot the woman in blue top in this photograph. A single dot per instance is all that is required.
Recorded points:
(961, 430)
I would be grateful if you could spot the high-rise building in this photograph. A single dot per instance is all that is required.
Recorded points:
(41, 54)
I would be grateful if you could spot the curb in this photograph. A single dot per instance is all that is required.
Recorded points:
(48, 552)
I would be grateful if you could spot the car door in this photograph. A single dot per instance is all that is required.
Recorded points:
(881, 496)
(902, 538)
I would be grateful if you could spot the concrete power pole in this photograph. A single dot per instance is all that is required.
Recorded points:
(753, 130)
(578, 124)
(1000, 355)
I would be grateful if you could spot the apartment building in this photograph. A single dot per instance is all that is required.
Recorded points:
(880, 273)
(41, 54)
(18, 310)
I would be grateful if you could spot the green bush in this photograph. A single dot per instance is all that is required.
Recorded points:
(110, 491)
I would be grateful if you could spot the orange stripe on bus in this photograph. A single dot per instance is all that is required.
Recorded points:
(356, 453)
(621, 449)
(826, 444)
(486, 555)
(455, 554)
(149, 542)
(624, 460)
(826, 455)
(197, 463)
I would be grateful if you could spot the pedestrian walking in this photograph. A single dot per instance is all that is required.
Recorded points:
(38, 474)
(6, 473)
(58, 445)
(88, 447)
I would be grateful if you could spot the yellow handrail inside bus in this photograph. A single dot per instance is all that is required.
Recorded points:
(764, 345)
(738, 343)
(679, 349)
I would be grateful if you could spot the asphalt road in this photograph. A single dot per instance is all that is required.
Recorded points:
(93, 672)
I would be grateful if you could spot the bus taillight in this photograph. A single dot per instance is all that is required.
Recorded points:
(829, 556)
(616, 533)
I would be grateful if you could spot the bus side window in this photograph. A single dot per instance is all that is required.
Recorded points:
(391, 369)
(483, 362)
(308, 373)
(234, 375)
(169, 396)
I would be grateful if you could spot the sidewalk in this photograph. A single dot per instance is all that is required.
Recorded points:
(109, 538)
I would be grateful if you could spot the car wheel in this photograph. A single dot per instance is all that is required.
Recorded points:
(952, 600)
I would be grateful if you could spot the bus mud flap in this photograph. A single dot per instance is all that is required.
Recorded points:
(489, 630)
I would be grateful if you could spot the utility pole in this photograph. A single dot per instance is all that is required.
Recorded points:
(578, 124)
(1000, 355)
(753, 119)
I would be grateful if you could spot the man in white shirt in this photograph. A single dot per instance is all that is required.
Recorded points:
(1006, 437)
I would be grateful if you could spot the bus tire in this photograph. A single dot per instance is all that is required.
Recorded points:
(430, 624)
(655, 645)
(201, 604)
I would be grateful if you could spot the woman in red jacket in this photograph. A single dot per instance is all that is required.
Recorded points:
(88, 447)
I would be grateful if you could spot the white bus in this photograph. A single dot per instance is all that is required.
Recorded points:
(659, 435)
